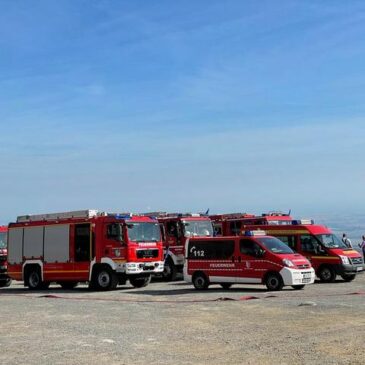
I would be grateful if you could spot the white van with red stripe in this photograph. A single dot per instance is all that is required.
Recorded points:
(250, 259)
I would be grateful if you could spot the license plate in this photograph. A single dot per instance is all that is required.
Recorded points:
(359, 269)
(307, 276)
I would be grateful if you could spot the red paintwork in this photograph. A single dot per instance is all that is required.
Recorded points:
(231, 224)
(3, 255)
(102, 247)
(174, 244)
(241, 265)
(330, 257)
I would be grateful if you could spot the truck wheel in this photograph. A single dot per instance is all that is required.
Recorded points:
(140, 282)
(104, 279)
(200, 281)
(348, 277)
(169, 270)
(226, 286)
(34, 279)
(5, 283)
(68, 285)
(298, 287)
(327, 274)
(274, 282)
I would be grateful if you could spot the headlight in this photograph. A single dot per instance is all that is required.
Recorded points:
(345, 260)
(288, 263)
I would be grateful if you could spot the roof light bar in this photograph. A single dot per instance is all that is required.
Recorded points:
(258, 232)
(298, 222)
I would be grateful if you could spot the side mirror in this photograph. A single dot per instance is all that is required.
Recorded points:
(259, 253)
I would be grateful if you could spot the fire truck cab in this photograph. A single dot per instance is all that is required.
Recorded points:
(231, 223)
(84, 246)
(328, 255)
(4, 278)
(176, 228)
(254, 258)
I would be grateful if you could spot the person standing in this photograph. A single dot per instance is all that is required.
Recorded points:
(362, 246)
(346, 241)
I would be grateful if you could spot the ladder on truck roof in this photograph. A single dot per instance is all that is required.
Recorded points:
(89, 213)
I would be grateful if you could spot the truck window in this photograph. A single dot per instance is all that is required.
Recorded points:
(171, 228)
(114, 232)
(308, 243)
(250, 248)
(289, 241)
(211, 250)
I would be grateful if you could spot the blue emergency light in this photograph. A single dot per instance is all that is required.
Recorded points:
(123, 216)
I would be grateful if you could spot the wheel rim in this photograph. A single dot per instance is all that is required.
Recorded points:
(326, 274)
(103, 279)
(200, 282)
(273, 282)
(34, 279)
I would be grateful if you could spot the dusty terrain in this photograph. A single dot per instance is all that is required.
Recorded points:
(172, 323)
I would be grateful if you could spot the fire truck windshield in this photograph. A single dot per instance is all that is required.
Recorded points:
(144, 232)
(198, 228)
(275, 245)
(330, 241)
(2, 239)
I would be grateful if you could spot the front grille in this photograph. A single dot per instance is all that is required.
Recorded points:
(357, 260)
(147, 254)
(304, 266)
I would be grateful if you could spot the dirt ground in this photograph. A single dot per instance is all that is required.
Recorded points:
(172, 323)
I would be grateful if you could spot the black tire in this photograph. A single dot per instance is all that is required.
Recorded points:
(104, 279)
(348, 277)
(140, 282)
(169, 271)
(5, 283)
(274, 282)
(34, 279)
(200, 281)
(298, 287)
(326, 274)
(226, 286)
(68, 285)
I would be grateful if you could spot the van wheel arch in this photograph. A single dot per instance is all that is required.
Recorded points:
(326, 273)
(200, 280)
(273, 281)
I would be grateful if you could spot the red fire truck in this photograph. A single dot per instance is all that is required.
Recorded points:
(176, 228)
(250, 259)
(4, 278)
(328, 255)
(84, 246)
(231, 223)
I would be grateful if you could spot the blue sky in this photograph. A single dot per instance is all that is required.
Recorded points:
(184, 105)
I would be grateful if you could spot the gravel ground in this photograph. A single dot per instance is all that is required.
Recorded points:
(172, 323)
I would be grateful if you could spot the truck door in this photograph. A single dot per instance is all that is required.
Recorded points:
(83, 249)
(114, 241)
(251, 268)
(174, 238)
(309, 249)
